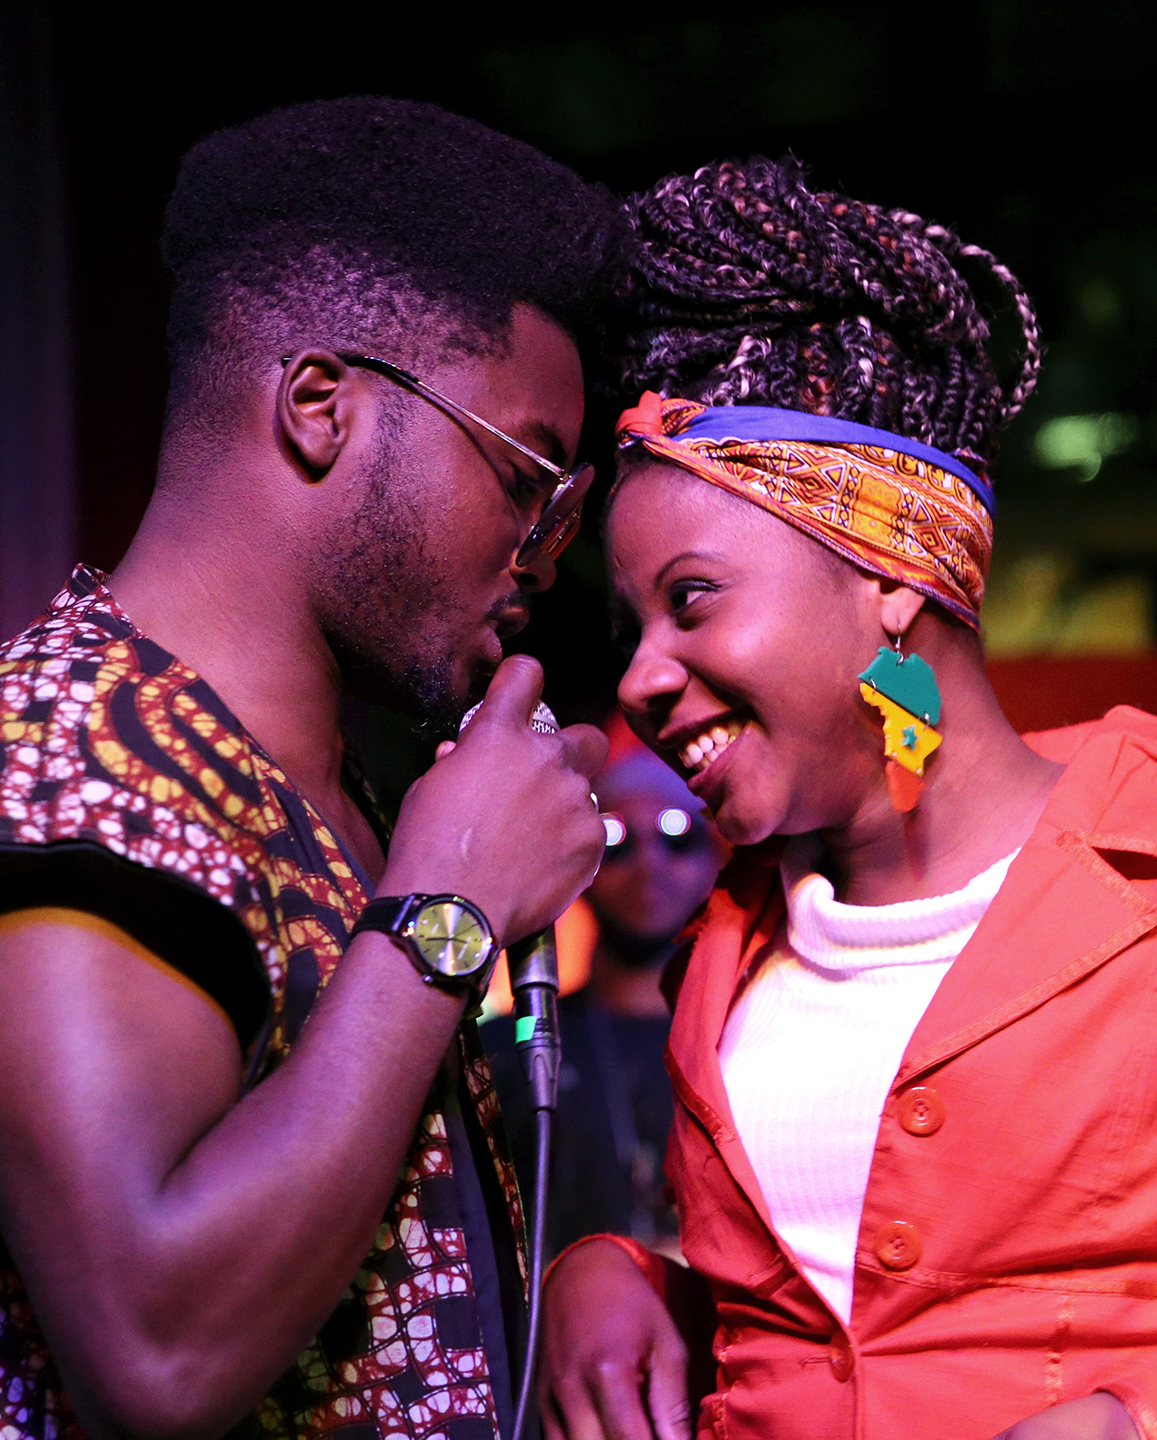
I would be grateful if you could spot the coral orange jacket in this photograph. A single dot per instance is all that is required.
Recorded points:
(1007, 1257)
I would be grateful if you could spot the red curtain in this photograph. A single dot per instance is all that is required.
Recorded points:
(1043, 693)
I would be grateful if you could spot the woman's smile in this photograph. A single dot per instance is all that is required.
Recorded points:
(720, 682)
(709, 783)
(697, 755)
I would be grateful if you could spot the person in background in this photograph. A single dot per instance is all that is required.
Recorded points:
(615, 1105)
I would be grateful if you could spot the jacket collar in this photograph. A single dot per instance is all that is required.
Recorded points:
(1079, 892)
(1082, 889)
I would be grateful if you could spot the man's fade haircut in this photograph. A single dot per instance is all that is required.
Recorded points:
(346, 221)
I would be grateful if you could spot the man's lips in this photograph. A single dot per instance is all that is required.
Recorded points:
(507, 620)
(503, 621)
(492, 649)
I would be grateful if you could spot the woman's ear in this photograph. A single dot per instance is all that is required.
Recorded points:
(315, 406)
(899, 606)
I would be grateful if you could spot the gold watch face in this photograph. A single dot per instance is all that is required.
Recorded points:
(451, 938)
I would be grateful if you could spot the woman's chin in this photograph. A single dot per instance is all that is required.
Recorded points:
(740, 824)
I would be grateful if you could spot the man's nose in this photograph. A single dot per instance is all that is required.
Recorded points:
(539, 575)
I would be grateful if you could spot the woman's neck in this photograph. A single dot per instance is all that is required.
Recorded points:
(984, 792)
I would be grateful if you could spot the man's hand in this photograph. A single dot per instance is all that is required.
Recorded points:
(608, 1340)
(504, 818)
(1097, 1417)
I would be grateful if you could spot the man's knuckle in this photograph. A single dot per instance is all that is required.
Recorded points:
(607, 1367)
(567, 1385)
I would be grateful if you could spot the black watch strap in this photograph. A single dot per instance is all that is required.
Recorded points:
(387, 914)
(390, 914)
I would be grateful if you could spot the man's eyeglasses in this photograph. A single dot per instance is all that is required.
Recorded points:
(559, 519)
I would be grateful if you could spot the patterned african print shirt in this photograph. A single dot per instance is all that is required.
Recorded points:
(128, 790)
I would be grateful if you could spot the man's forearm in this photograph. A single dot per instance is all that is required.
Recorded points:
(180, 1244)
(197, 1273)
(289, 1188)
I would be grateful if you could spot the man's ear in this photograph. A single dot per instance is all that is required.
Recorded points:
(315, 409)
(899, 606)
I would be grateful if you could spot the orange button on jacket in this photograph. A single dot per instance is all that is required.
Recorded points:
(1007, 1256)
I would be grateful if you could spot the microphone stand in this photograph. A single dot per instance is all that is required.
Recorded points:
(534, 981)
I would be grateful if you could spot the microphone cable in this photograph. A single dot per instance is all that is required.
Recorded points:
(533, 965)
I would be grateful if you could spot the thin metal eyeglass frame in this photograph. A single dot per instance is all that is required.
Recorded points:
(555, 527)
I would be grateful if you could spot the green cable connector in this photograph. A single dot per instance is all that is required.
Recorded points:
(524, 1028)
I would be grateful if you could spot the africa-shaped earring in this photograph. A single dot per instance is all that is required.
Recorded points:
(903, 688)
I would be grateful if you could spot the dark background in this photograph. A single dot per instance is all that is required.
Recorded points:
(1025, 126)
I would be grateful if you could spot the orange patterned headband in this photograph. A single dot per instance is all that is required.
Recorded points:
(888, 504)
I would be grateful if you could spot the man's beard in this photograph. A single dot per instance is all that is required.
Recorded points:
(387, 606)
(425, 690)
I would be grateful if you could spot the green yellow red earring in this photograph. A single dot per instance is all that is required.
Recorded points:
(903, 688)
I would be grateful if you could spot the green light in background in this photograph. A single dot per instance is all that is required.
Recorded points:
(1081, 442)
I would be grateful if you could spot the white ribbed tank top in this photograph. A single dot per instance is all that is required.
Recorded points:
(813, 1045)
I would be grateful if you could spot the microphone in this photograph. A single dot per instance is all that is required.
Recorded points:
(533, 965)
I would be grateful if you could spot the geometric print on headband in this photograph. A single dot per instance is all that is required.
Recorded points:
(889, 512)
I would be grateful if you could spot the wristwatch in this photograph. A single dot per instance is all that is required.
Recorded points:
(448, 940)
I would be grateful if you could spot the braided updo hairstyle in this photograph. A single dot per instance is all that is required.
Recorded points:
(748, 288)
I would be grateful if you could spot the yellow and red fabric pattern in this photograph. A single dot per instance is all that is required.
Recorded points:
(893, 506)
(108, 742)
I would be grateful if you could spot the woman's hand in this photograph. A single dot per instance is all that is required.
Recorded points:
(608, 1341)
(1097, 1417)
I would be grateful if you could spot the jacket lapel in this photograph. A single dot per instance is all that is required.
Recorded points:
(741, 918)
(1064, 909)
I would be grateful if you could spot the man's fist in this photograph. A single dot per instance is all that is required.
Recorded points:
(504, 817)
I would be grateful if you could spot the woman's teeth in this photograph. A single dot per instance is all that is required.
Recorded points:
(710, 745)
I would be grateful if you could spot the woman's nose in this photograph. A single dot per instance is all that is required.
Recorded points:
(653, 679)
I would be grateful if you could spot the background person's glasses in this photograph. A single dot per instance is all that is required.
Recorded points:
(560, 515)
(677, 828)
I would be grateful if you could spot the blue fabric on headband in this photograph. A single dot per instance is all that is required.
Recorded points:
(767, 422)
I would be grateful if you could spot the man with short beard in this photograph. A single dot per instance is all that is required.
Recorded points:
(211, 1208)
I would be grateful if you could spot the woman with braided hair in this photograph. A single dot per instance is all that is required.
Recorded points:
(915, 1145)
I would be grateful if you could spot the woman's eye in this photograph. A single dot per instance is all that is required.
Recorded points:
(684, 594)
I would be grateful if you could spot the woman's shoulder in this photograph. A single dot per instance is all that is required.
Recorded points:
(1062, 745)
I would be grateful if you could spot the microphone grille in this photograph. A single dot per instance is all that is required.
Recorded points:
(543, 720)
